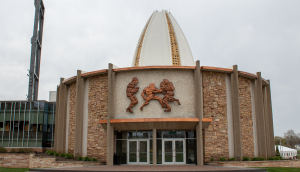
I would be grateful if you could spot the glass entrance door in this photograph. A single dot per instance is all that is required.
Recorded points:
(174, 151)
(138, 152)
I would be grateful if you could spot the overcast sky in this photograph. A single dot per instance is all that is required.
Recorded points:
(88, 34)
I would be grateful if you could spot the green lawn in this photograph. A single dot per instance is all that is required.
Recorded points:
(281, 169)
(14, 169)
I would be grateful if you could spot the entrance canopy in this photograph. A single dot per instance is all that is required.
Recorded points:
(158, 123)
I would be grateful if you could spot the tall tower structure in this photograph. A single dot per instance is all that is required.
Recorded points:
(36, 49)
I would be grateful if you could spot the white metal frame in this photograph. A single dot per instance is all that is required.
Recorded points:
(138, 151)
(173, 151)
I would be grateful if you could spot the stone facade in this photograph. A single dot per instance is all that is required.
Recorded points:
(274, 163)
(97, 110)
(214, 106)
(46, 162)
(29, 160)
(13, 160)
(246, 117)
(72, 108)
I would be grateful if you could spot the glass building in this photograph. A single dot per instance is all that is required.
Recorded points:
(27, 124)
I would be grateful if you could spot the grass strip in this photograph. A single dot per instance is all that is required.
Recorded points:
(14, 169)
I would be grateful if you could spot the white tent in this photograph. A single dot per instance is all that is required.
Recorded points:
(286, 152)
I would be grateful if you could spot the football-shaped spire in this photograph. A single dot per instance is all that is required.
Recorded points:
(162, 43)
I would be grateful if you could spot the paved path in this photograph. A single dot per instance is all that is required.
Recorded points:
(135, 168)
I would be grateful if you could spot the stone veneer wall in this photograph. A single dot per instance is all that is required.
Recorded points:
(12, 160)
(46, 162)
(274, 163)
(29, 160)
(72, 108)
(97, 110)
(246, 117)
(214, 106)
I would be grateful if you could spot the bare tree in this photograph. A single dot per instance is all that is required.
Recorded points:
(291, 138)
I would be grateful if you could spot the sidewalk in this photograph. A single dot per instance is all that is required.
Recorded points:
(135, 168)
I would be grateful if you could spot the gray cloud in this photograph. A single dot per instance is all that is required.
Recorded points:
(256, 35)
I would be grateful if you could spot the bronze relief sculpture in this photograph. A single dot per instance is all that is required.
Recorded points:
(131, 89)
(150, 95)
(167, 88)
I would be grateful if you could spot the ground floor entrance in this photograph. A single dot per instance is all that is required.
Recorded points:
(173, 151)
(138, 152)
(173, 147)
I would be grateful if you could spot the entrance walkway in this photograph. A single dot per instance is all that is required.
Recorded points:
(135, 168)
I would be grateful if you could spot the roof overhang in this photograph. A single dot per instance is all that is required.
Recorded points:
(158, 123)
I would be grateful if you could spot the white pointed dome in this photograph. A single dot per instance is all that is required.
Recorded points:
(162, 42)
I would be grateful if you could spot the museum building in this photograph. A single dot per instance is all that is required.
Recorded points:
(166, 108)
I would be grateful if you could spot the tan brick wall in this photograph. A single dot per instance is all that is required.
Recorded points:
(29, 160)
(214, 106)
(97, 110)
(274, 163)
(72, 108)
(13, 160)
(33, 149)
(46, 162)
(41, 162)
(246, 117)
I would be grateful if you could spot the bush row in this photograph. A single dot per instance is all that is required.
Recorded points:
(20, 150)
(275, 158)
(70, 156)
(248, 159)
(86, 159)
(67, 156)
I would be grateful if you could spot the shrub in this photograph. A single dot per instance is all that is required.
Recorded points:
(2, 150)
(80, 158)
(62, 155)
(246, 158)
(56, 154)
(271, 158)
(255, 159)
(87, 159)
(47, 151)
(13, 150)
(222, 159)
(69, 156)
(277, 151)
(50, 153)
(21, 150)
(231, 159)
(280, 157)
(27, 150)
(277, 158)
(94, 159)
(212, 159)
